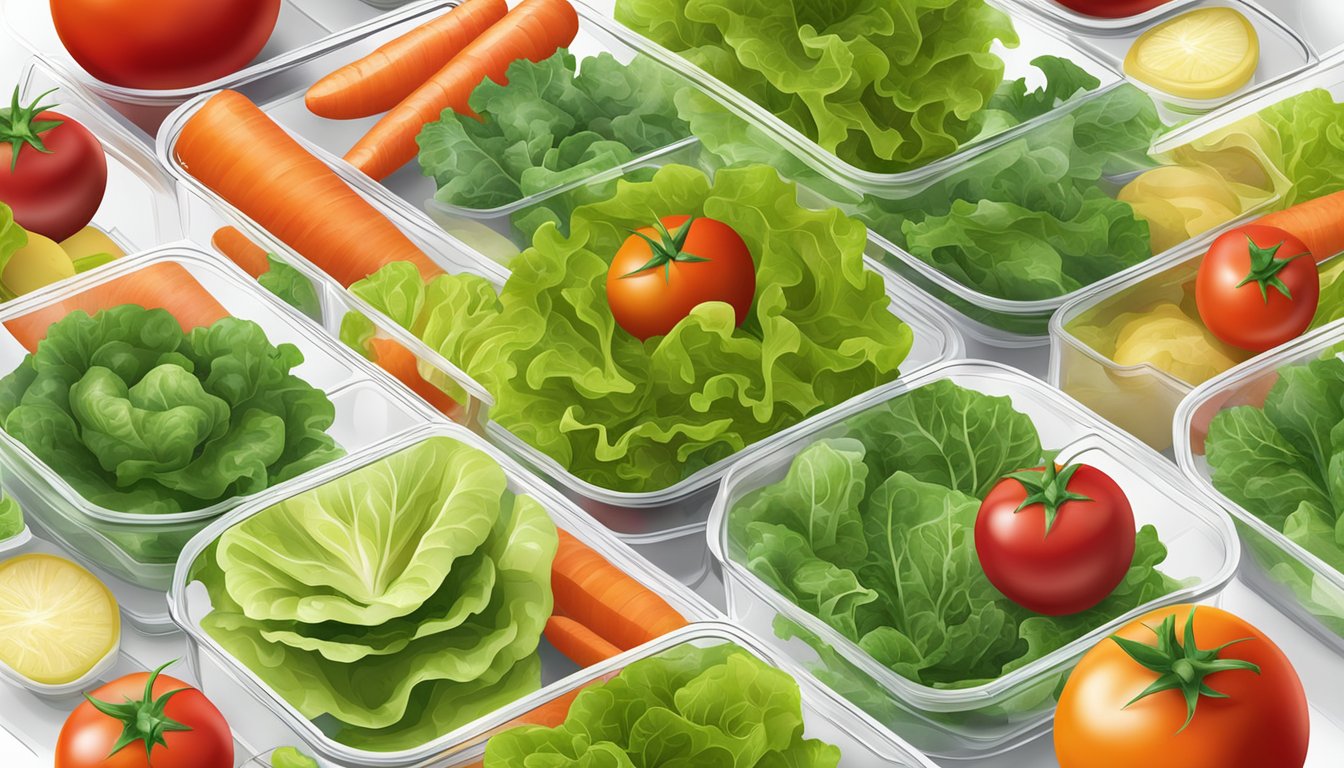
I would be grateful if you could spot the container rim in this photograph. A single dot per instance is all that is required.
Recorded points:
(933, 699)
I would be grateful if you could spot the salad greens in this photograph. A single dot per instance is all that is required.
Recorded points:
(640, 416)
(711, 706)
(140, 417)
(873, 533)
(11, 517)
(394, 603)
(290, 757)
(291, 287)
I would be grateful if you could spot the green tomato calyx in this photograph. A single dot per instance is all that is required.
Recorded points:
(668, 248)
(143, 719)
(1265, 269)
(1181, 666)
(1048, 487)
(20, 127)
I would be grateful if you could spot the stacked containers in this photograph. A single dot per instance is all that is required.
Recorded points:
(995, 716)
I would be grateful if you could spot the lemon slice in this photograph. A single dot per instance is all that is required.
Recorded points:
(1203, 54)
(57, 620)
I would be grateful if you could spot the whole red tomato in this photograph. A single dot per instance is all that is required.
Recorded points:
(1183, 687)
(1112, 9)
(1055, 540)
(53, 172)
(163, 44)
(1257, 287)
(159, 720)
(659, 275)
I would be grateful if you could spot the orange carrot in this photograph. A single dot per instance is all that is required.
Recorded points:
(165, 285)
(580, 644)
(251, 257)
(1317, 223)
(533, 30)
(236, 150)
(600, 596)
(401, 363)
(379, 81)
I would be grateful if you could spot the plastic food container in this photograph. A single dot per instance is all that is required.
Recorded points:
(1296, 581)
(135, 554)
(1057, 11)
(305, 30)
(993, 717)
(240, 695)
(1142, 398)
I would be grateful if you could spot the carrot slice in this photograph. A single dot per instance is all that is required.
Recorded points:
(403, 365)
(165, 285)
(580, 644)
(251, 257)
(236, 150)
(379, 81)
(1318, 223)
(534, 30)
(600, 596)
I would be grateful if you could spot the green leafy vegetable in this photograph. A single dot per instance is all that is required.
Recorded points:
(873, 533)
(1307, 143)
(402, 600)
(290, 757)
(139, 416)
(690, 706)
(291, 287)
(635, 416)
(12, 237)
(11, 517)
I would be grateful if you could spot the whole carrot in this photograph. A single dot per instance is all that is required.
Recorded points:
(379, 81)
(404, 367)
(249, 256)
(236, 150)
(578, 643)
(534, 30)
(1318, 223)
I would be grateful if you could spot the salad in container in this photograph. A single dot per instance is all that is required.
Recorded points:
(942, 551)
(384, 604)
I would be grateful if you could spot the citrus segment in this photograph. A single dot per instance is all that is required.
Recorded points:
(57, 620)
(1203, 54)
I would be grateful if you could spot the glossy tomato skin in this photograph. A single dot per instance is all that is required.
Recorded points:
(652, 302)
(88, 735)
(1264, 722)
(1112, 9)
(1240, 316)
(1072, 568)
(163, 44)
(55, 193)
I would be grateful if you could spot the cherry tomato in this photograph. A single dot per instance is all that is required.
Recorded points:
(56, 182)
(1105, 719)
(163, 44)
(181, 730)
(1112, 9)
(1257, 287)
(659, 275)
(1055, 540)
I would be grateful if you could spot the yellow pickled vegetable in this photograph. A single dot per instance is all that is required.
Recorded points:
(91, 242)
(1172, 341)
(41, 262)
(1179, 203)
(57, 620)
(1204, 54)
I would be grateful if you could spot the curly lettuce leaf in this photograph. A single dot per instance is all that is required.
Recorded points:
(1309, 129)
(11, 517)
(291, 287)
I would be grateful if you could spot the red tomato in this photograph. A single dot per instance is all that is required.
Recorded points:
(1112, 9)
(163, 44)
(57, 181)
(1104, 720)
(1257, 287)
(181, 731)
(1055, 540)
(659, 275)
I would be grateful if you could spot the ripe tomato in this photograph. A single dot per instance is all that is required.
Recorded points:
(1106, 719)
(53, 172)
(163, 44)
(1112, 9)
(659, 275)
(1257, 287)
(165, 723)
(1055, 540)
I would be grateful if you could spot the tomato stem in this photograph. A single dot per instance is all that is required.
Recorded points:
(1265, 269)
(1049, 488)
(669, 248)
(20, 127)
(142, 719)
(1180, 666)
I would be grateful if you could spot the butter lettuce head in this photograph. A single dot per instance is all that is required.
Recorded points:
(689, 706)
(394, 603)
(139, 416)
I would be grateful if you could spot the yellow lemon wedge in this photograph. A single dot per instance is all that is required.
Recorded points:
(57, 620)
(1203, 54)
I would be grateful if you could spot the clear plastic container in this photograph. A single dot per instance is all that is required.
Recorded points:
(241, 695)
(1057, 11)
(1142, 398)
(993, 717)
(305, 30)
(135, 554)
(1299, 583)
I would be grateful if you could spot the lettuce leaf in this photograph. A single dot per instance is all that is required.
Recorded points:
(291, 287)
(689, 706)
(639, 416)
(873, 533)
(1309, 129)
(11, 517)
(13, 238)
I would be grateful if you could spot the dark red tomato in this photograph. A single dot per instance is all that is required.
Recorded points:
(1055, 540)
(1112, 9)
(1257, 287)
(53, 172)
(163, 44)
(660, 274)
(172, 726)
